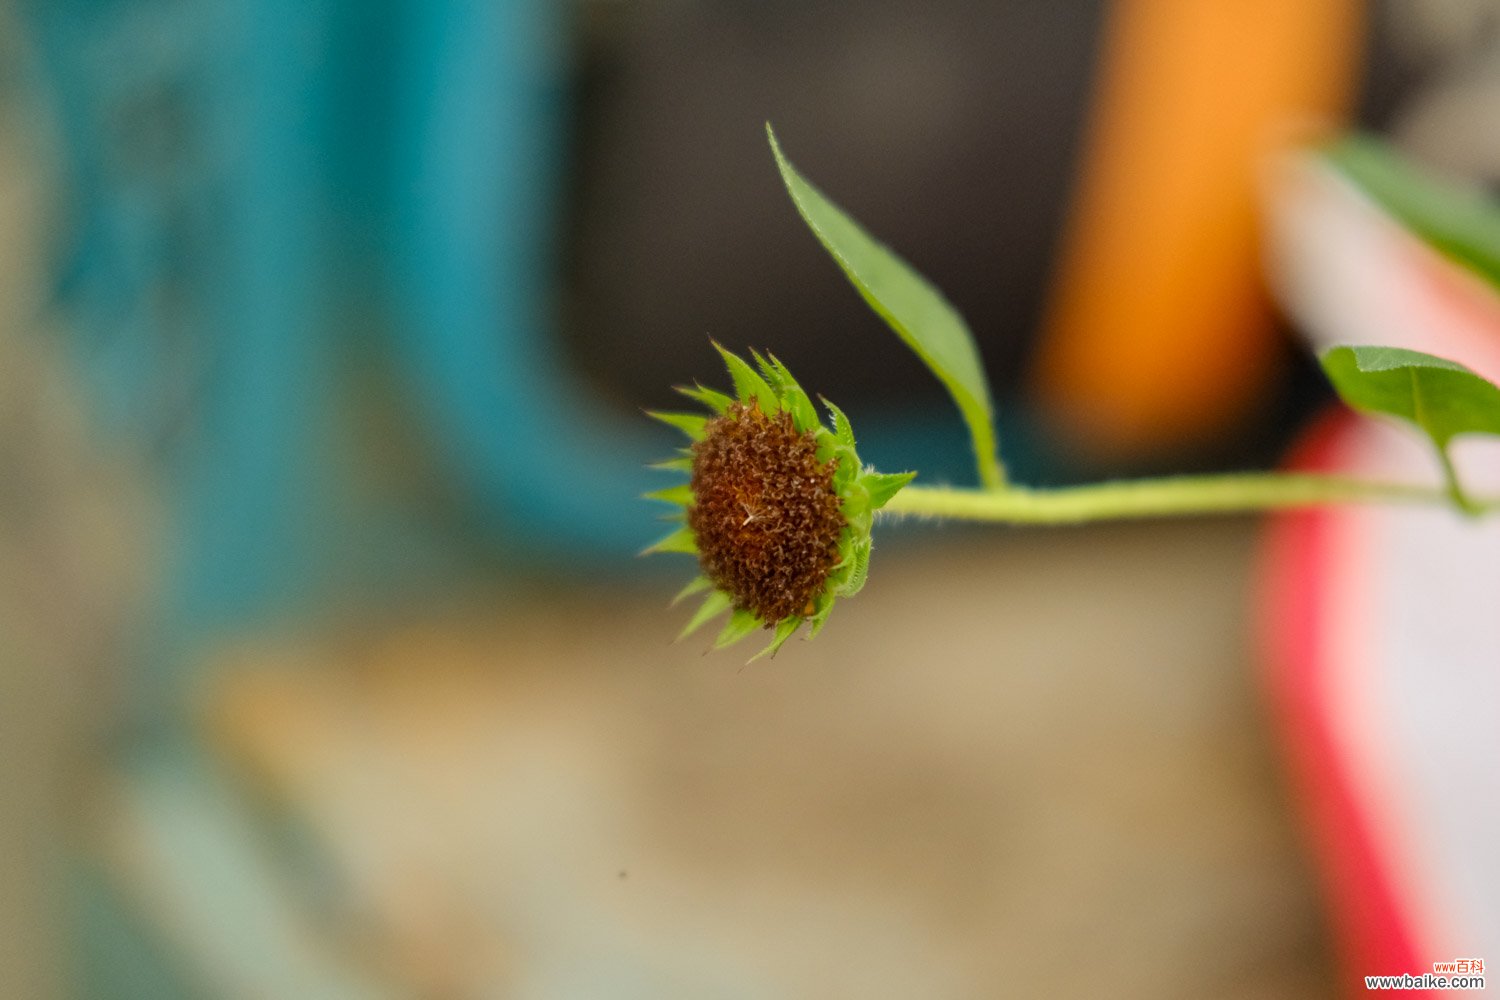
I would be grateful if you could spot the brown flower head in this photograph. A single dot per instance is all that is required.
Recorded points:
(778, 510)
(765, 514)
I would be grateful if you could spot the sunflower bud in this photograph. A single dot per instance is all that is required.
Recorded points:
(778, 509)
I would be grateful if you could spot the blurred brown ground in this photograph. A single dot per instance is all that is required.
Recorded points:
(1031, 764)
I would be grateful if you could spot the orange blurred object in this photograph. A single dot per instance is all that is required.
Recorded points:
(1160, 334)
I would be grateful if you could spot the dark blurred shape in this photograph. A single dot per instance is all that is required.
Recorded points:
(949, 129)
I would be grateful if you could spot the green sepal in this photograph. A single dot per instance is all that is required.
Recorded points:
(884, 485)
(711, 398)
(691, 424)
(846, 471)
(747, 384)
(696, 586)
(784, 631)
(740, 624)
(681, 494)
(793, 398)
(770, 374)
(680, 540)
(859, 572)
(842, 429)
(828, 445)
(713, 605)
(820, 615)
(856, 507)
(680, 464)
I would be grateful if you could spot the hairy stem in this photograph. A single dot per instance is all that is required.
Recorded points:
(1141, 498)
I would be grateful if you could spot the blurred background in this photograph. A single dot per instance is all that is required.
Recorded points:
(326, 665)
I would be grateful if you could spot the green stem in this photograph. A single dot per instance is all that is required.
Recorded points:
(1140, 498)
(1455, 489)
(987, 456)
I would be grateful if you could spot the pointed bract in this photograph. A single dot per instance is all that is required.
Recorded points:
(713, 605)
(747, 384)
(716, 401)
(691, 424)
(784, 631)
(841, 427)
(682, 495)
(740, 624)
(696, 585)
(884, 485)
(680, 540)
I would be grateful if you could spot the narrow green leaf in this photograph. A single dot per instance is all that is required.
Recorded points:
(912, 307)
(884, 485)
(680, 464)
(681, 494)
(714, 400)
(1463, 224)
(747, 383)
(713, 605)
(740, 624)
(691, 424)
(680, 540)
(1441, 397)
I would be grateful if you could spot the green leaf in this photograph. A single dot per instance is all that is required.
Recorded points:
(1461, 223)
(912, 307)
(1441, 397)
(680, 464)
(884, 485)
